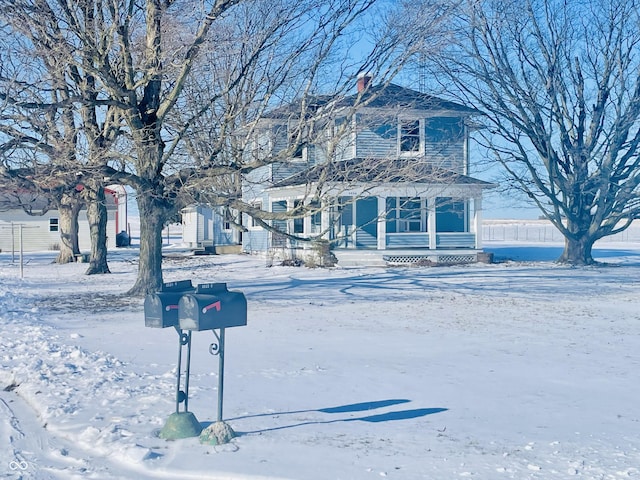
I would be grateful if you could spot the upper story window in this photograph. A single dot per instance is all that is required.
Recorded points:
(409, 136)
(53, 224)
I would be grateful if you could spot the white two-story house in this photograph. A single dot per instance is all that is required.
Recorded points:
(384, 180)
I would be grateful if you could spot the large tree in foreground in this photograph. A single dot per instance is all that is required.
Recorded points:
(559, 83)
(137, 57)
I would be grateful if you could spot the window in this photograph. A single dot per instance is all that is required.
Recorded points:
(410, 136)
(406, 214)
(451, 215)
(410, 215)
(252, 221)
(278, 237)
(316, 216)
(53, 224)
(228, 219)
(298, 223)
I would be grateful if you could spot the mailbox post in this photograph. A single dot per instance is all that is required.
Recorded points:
(213, 307)
(209, 306)
(161, 311)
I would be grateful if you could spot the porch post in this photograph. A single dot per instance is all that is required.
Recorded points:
(289, 242)
(477, 220)
(325, 220)
(306, 225)
(382, 223)
(290, 206)
(431, 222)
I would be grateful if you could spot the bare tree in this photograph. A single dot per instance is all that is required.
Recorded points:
(144, 73)
(300, 83)
(52, 127)
(38, 137)
(559, 86)
(143, 59)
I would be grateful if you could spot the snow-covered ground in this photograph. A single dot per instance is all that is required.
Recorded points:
(521, 369)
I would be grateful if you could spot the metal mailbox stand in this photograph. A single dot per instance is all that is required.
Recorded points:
(218, 349)
(209, 306)
(184, 339)
(161, 311)
(213, 307)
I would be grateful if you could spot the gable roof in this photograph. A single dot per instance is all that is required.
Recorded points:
(366, 170)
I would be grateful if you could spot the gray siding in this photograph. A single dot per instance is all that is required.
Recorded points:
(285, 170)
(36, 235)
(444, 140)
(455, 240)
(449, 156)
(255, 241)
(407, 240)
(344, 148)
(381, 142)
(279, 138)
(220, 235)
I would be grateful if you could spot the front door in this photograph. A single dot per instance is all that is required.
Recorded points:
(367, 223)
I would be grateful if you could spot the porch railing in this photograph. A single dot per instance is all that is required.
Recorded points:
(407, 240)
(456, 240)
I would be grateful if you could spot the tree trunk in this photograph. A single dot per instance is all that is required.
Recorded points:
(68, 209)
(150, 265)
(577, 251)
(97, 217)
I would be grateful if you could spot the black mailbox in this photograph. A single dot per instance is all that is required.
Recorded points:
(212, 306)
(161, 309)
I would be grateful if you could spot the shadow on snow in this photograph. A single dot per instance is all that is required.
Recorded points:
(351, 408)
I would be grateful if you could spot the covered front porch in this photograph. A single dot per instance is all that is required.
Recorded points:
(401, 222)
(392, 225)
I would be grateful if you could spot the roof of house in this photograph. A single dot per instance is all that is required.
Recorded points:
(33, 201)
(23, 200)
(376, 96)
(366, 170)
(394, 96)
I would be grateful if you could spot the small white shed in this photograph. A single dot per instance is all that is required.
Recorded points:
(197, 226)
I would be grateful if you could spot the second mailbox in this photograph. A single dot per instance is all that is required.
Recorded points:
(212, 306)
(161, 309)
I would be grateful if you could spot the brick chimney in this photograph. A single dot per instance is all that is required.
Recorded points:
(364, 79)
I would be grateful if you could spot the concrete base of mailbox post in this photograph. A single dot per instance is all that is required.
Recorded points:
(181, 425)
(217, 433)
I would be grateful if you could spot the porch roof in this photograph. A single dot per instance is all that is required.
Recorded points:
(375, 171)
